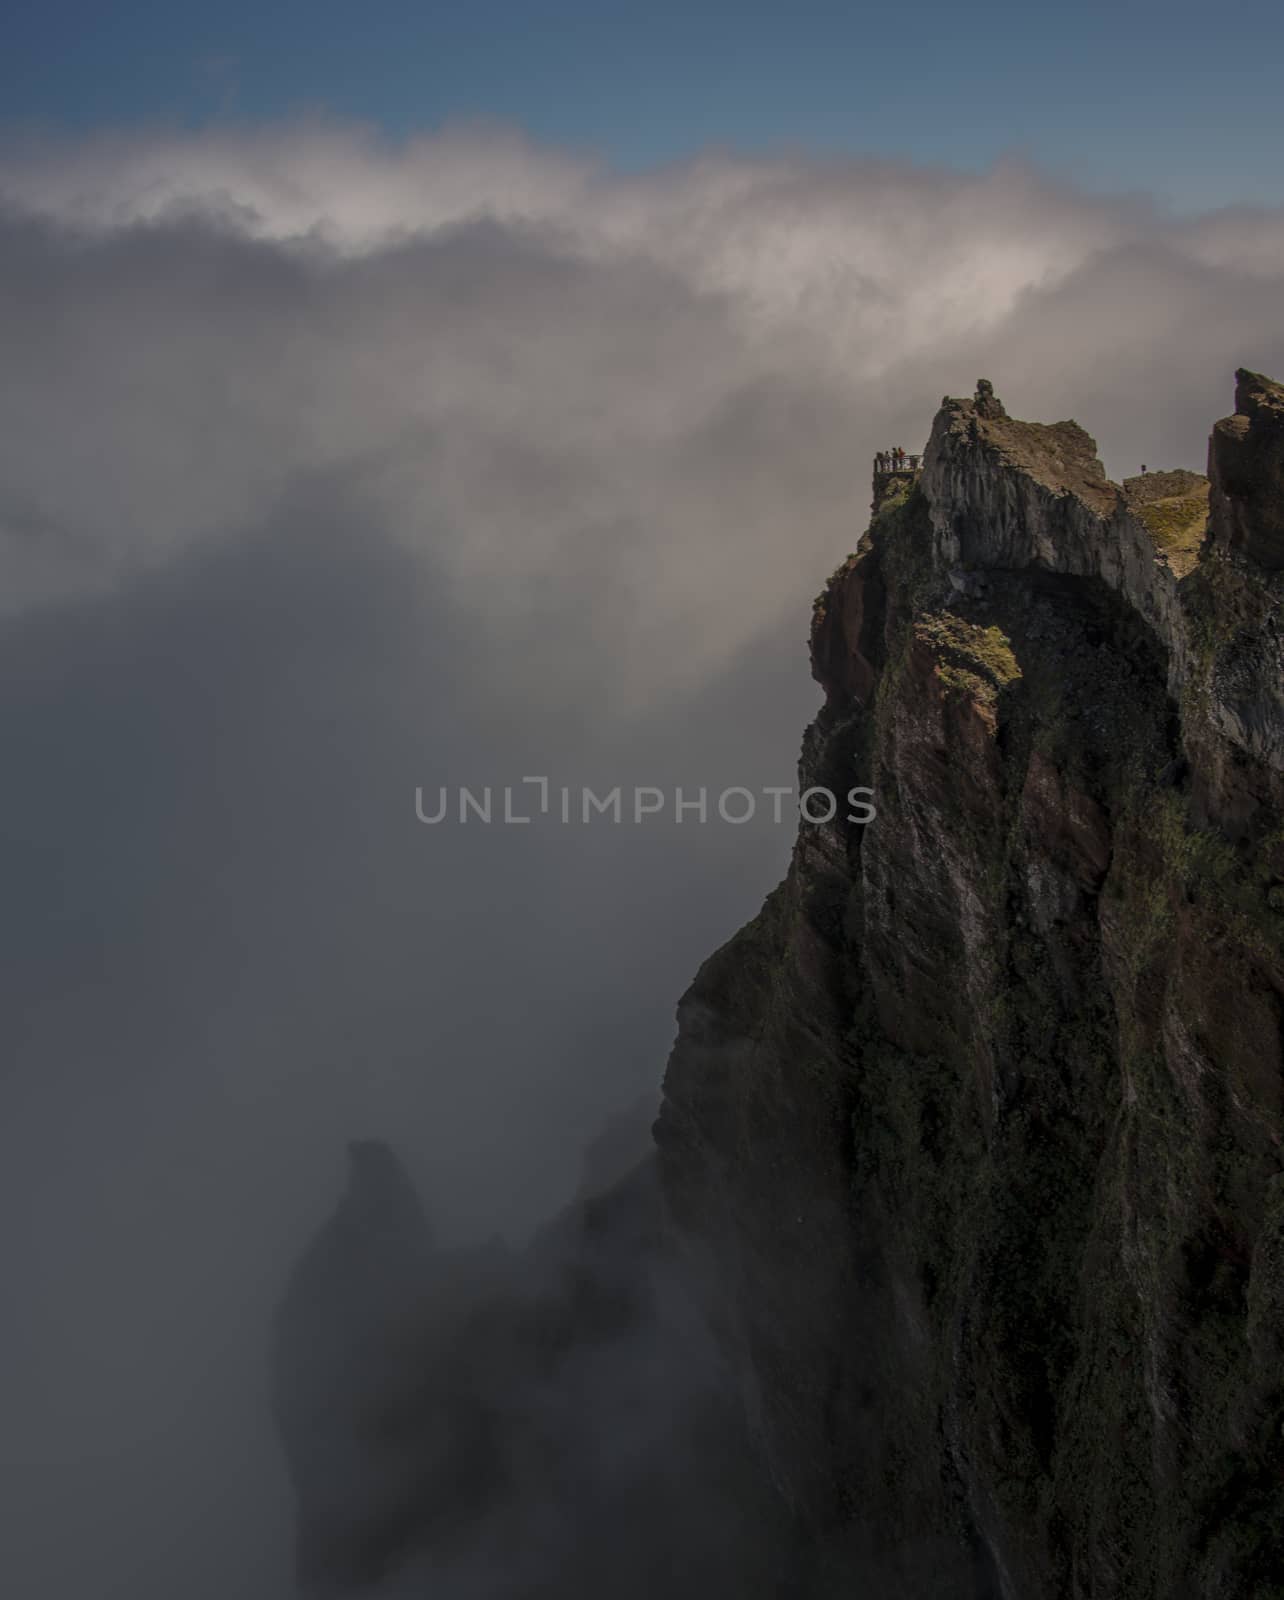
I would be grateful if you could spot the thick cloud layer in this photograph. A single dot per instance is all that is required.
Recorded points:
(327, 470)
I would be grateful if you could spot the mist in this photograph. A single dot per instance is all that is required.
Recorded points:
(330, 468)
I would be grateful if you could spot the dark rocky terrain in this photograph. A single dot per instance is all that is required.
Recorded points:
(964, 1269)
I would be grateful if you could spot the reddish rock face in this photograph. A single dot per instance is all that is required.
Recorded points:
(845, 627)
(1067, 825)
(979, 1122)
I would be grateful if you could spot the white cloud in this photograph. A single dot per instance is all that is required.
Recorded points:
(519, 355)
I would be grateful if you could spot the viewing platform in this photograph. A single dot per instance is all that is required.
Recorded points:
(890, 470)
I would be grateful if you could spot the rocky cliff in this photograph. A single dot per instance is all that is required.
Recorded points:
(976, 1128)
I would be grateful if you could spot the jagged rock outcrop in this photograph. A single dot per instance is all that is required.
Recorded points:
(546, 1424)
(1246, 470)
(343, 1366)
(980, 1121)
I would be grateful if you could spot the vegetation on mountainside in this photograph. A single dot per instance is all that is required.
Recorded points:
(1178, 525)
(974, 659)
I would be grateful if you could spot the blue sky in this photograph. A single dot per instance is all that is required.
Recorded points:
(1179, 98)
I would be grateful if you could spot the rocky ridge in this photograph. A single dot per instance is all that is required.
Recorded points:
(978, 1125)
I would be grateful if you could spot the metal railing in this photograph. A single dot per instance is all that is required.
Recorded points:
(889, 462)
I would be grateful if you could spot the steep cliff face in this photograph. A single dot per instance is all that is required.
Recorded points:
(978, 1125)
